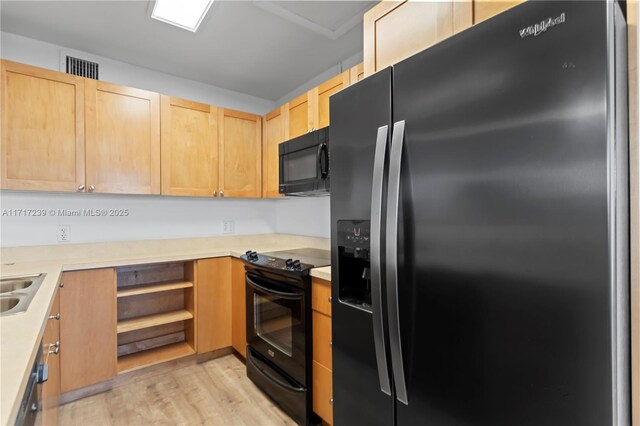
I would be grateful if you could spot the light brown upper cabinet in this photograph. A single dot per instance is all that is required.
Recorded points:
(240, 151)
(322, 93)
(299, 113)
(42, 129)
(273, 134)
(122, 139)
(356, 73)
(485, 9)
(189, 148)
(394, 30)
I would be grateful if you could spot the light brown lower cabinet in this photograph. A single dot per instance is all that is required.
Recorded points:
(51, 352)
(214, 304)
(238, 308)
(322, 350)
(87, 328)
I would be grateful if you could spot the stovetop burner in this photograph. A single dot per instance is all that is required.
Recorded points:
(296, 260)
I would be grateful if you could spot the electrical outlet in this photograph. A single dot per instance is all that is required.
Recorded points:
(64, 233)
(228, 227)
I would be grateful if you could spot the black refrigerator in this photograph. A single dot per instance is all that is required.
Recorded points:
(479, 227)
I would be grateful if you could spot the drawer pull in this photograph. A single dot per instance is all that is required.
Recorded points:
(56, 316)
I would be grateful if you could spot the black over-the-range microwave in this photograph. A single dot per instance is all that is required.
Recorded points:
(304, 164)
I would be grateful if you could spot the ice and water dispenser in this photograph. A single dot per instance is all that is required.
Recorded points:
(354, 277)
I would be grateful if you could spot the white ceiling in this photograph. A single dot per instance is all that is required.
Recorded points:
(261, 48)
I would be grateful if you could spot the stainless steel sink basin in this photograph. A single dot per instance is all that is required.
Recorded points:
(9, 285)
(16, 293)
(8, 303)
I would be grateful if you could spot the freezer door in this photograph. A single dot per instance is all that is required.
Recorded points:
(361, 381)
(504, 287)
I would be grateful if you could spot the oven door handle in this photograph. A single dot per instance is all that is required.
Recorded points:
(282, 294)
(271, 377)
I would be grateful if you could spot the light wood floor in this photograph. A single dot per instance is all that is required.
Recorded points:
(216, 392)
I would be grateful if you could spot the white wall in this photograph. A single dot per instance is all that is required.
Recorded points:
(45, 55)
(151, 217)
(303, 216)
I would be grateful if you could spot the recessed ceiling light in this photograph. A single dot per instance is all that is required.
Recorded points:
(184, 14)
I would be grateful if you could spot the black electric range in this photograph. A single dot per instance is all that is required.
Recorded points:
(279, 324)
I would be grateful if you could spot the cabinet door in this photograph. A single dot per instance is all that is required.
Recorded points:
(42, 129)
(240, 150)
(189, 148)
(395, 30)
(485, 9)
(123, 139)
(274, 129)
(51, 388)
(238, 308)
(323, 92)
(323, 392)
(87, 328)
(214, 304)
(356, 73)
(298, 117)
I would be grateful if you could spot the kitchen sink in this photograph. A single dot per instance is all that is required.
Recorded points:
(16, 293)
(8, 303)
(10, 285)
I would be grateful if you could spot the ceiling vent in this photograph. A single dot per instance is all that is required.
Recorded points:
(82, 67)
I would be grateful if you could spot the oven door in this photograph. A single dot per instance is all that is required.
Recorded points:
(276, 324)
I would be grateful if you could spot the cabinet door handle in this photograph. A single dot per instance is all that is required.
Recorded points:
(222, 193)
(215, 193)
(80, 188)
(61, 284)
(329, 299)
(56, 316)
(91, 188)
(54, 348)
(331, 401)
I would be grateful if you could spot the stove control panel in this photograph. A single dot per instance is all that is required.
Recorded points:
(275, 262)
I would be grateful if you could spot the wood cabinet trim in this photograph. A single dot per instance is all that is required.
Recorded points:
(273, 114)
(185, 103)
(298, 100)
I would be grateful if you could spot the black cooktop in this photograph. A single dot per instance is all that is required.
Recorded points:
(298, 260)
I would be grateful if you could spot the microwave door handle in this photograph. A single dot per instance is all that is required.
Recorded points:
(281, 294)
(323, 153)
(376, 262)
(393, 202)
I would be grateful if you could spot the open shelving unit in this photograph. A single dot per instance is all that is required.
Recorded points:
(156, 310)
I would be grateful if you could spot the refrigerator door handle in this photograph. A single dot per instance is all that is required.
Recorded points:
(393, 202)
(376, 258)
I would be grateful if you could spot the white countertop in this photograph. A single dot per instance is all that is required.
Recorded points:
(20, 334)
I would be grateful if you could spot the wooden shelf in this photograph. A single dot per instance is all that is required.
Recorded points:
(136, 290)
(154, 356)
(153, 320)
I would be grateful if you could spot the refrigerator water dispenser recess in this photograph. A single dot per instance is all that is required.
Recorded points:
(354, 278)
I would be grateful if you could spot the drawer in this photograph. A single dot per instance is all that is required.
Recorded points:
(322, 339)
(323, 392)
(321, 297)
